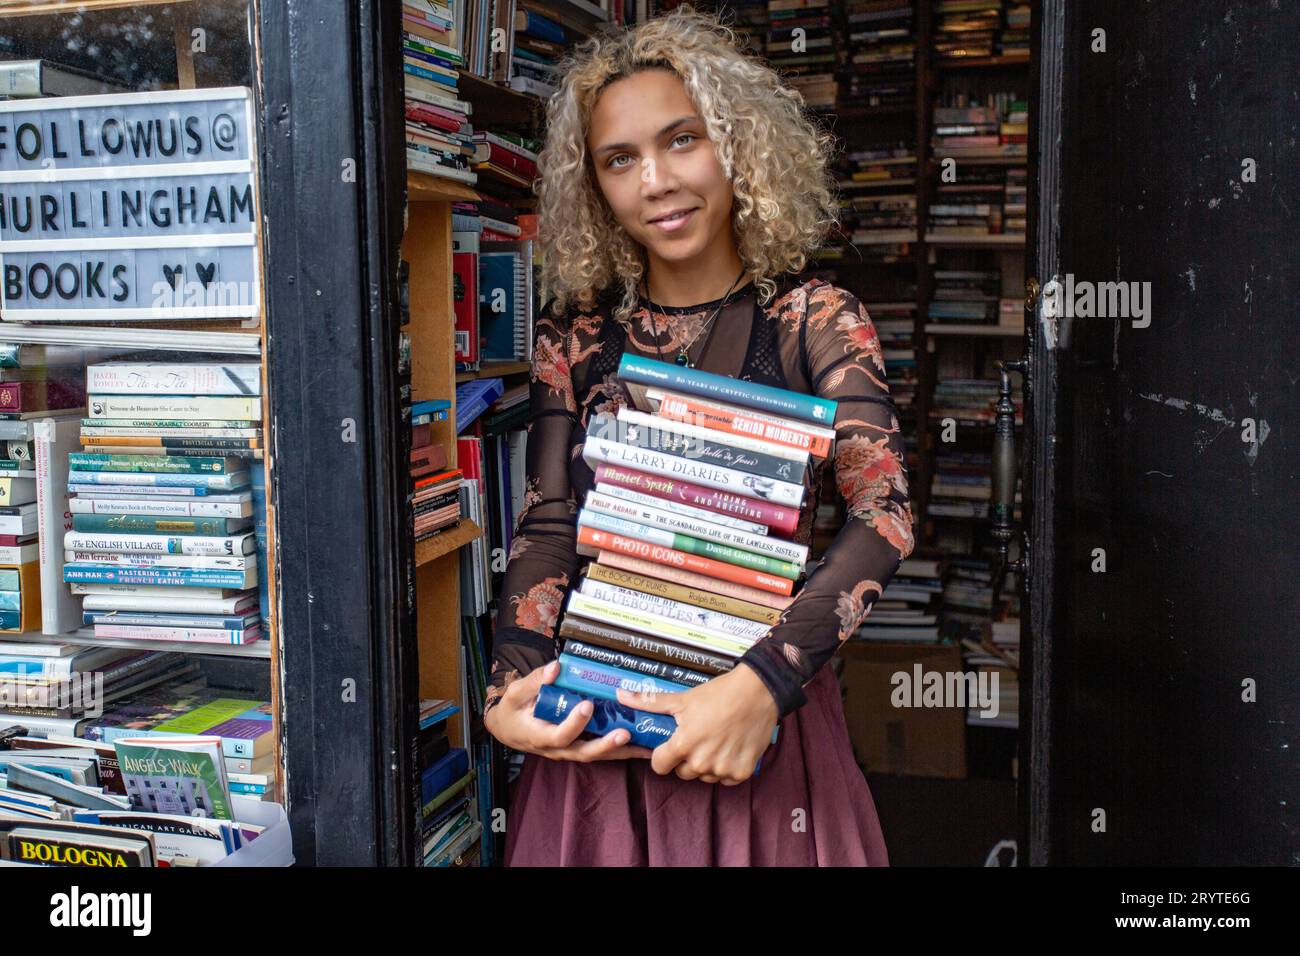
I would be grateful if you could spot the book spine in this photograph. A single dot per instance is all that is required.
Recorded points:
(694, 448)
(141, 433)
(165, 444)
(776, 517)
(206, 622)
(657, 517)
(738, 421)
(751, 443)
(124, 378)
(594, 539)
(149, 407)
(687, 614)
(159, 544)
(162, 464)
(642, 666)
(692, 381)
(597, 450)
(158, 524)
(134, 491)
(137, 560)
(693, 579)
(37, 396)
(708, 600)
(169, 604)
(618, 639)
(689, 545)
(601, 680)
(183, 426)
(652, 624)
(160, 508)
(157, 576)
(11, 620)
(646, 729)
(227, 482)
(650, 501)
(205, 635)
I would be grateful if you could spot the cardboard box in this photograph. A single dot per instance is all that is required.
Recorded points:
(920, 741)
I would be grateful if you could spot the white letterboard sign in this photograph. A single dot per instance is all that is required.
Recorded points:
(129, 207)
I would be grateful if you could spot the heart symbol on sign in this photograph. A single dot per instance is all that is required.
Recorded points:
(206, 274)
(174, 274)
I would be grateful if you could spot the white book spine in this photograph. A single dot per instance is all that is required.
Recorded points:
(196, 635)
(199, 508)
(688, 614)
(700, 514)
(167, 604)
(158, 543)
(671, 425)
(137, 560)
(167, 407)
(148, 590)
(110, 431)
(658, 626)
(668, 521)
(596, 450)
(178, 378)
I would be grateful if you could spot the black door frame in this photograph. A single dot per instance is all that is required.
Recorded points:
(1038, 475)
(332, 161)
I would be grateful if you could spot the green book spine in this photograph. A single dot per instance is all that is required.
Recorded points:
(737, 556)
(147, 524)
(157, 464)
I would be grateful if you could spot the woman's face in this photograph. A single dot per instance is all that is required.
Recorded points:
(653, 158)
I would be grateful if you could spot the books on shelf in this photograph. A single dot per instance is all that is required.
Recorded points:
(880, 53)
(161, 504)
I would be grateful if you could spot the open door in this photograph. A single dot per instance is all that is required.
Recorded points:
(1161, 440)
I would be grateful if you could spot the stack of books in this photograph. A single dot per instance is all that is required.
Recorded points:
(163, 544)
(968, 130)
(969, 401)
(539, 43)
(881, 55)
(966, 296)
(800, 45)
(439, 137)
(698, 493)
(436, 503)
(505, 157)
(1013, 42)
(908, 610)
(964, 29)
(49, 686)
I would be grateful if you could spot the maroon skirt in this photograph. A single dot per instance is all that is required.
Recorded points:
(808, 806)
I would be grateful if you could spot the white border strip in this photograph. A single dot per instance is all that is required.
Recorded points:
(199, 241)
(115, 99)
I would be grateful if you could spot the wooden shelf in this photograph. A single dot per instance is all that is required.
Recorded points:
(426, 187)
(504, 106)
(982, 159)
(938, 328)
(440, 544)
(977, 241)
(495, 370)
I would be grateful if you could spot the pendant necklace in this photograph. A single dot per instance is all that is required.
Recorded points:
(683, 358)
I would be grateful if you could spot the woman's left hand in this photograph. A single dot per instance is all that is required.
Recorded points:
(723, 726)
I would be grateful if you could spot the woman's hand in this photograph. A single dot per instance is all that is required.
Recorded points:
(723, 726)
(511, 721)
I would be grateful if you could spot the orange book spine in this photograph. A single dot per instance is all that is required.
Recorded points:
(695, 412)
(627, 562)
(594, 538)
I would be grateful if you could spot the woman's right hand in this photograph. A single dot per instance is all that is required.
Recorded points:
(511, 721)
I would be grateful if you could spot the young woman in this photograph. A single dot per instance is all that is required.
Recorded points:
(682, 190)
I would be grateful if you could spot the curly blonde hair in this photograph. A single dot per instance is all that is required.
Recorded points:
(776, 157)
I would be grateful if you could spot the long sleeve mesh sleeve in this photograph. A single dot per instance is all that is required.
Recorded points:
(543, 554)
(846, 364)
